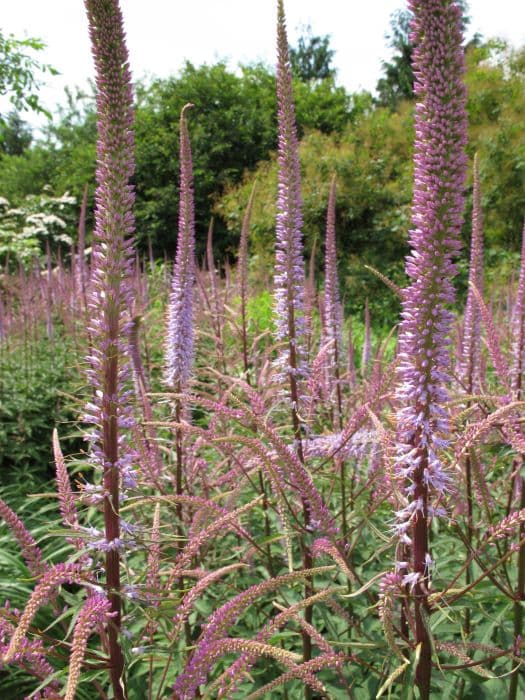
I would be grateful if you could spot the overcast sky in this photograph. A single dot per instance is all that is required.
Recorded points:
(163, 33)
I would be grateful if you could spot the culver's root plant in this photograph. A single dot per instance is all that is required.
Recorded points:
(257, 513)
(440, 168)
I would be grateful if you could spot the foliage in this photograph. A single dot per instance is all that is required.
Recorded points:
(20, 72)
(225, 104)
(495, 81)
(243, 105)
(233, 128)
(371, 159)
(15, 135)
(398, 79)
(37, 379)
(312, 58)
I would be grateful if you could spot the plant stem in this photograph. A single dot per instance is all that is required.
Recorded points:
(519, 600)
(421, 608)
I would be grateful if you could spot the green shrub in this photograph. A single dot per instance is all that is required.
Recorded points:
(36, 380)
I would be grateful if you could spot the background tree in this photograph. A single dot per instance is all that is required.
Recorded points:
(21, 73)
(15, 135)
(312, 58)
(233, 128)
(398, 79)
(371, 157)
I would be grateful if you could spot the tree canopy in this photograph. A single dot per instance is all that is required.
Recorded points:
(312, 58)
(233, 127)
(21, 73)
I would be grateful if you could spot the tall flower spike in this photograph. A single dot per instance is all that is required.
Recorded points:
(110, 294)
(242, 268)
(179, 342)
(440, 166)
(469, 365)
(289, 278)
(333, 321)
(82, 270)
(516, 385)
(366, 353)
(518, 332)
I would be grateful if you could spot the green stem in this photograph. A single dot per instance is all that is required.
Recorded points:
(519, 599)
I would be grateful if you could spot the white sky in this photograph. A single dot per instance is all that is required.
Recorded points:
(161, 34)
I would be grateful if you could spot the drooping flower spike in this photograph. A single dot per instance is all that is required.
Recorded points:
(95, 611)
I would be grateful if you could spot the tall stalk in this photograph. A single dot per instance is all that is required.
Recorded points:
(180, 334)
(440, 165)
(243, 284)
(290, 277)
(469, 365)
(333, 324)
(516, 377)
(110, 294)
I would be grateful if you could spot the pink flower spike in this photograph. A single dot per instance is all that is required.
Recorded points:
(518, 332)
(469, 366)
(51, 579)
(179, 340)
(66, 498)
(29, 548)
(289, 280)
(95, 611)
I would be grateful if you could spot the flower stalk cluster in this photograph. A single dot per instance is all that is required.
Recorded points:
(212, 636)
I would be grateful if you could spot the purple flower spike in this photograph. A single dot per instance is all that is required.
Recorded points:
(518, 332)
(289, 277)
(110, 295)
(440, 165)
(469, 365)
(30, 549)
(333, 312)
(179, 344)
